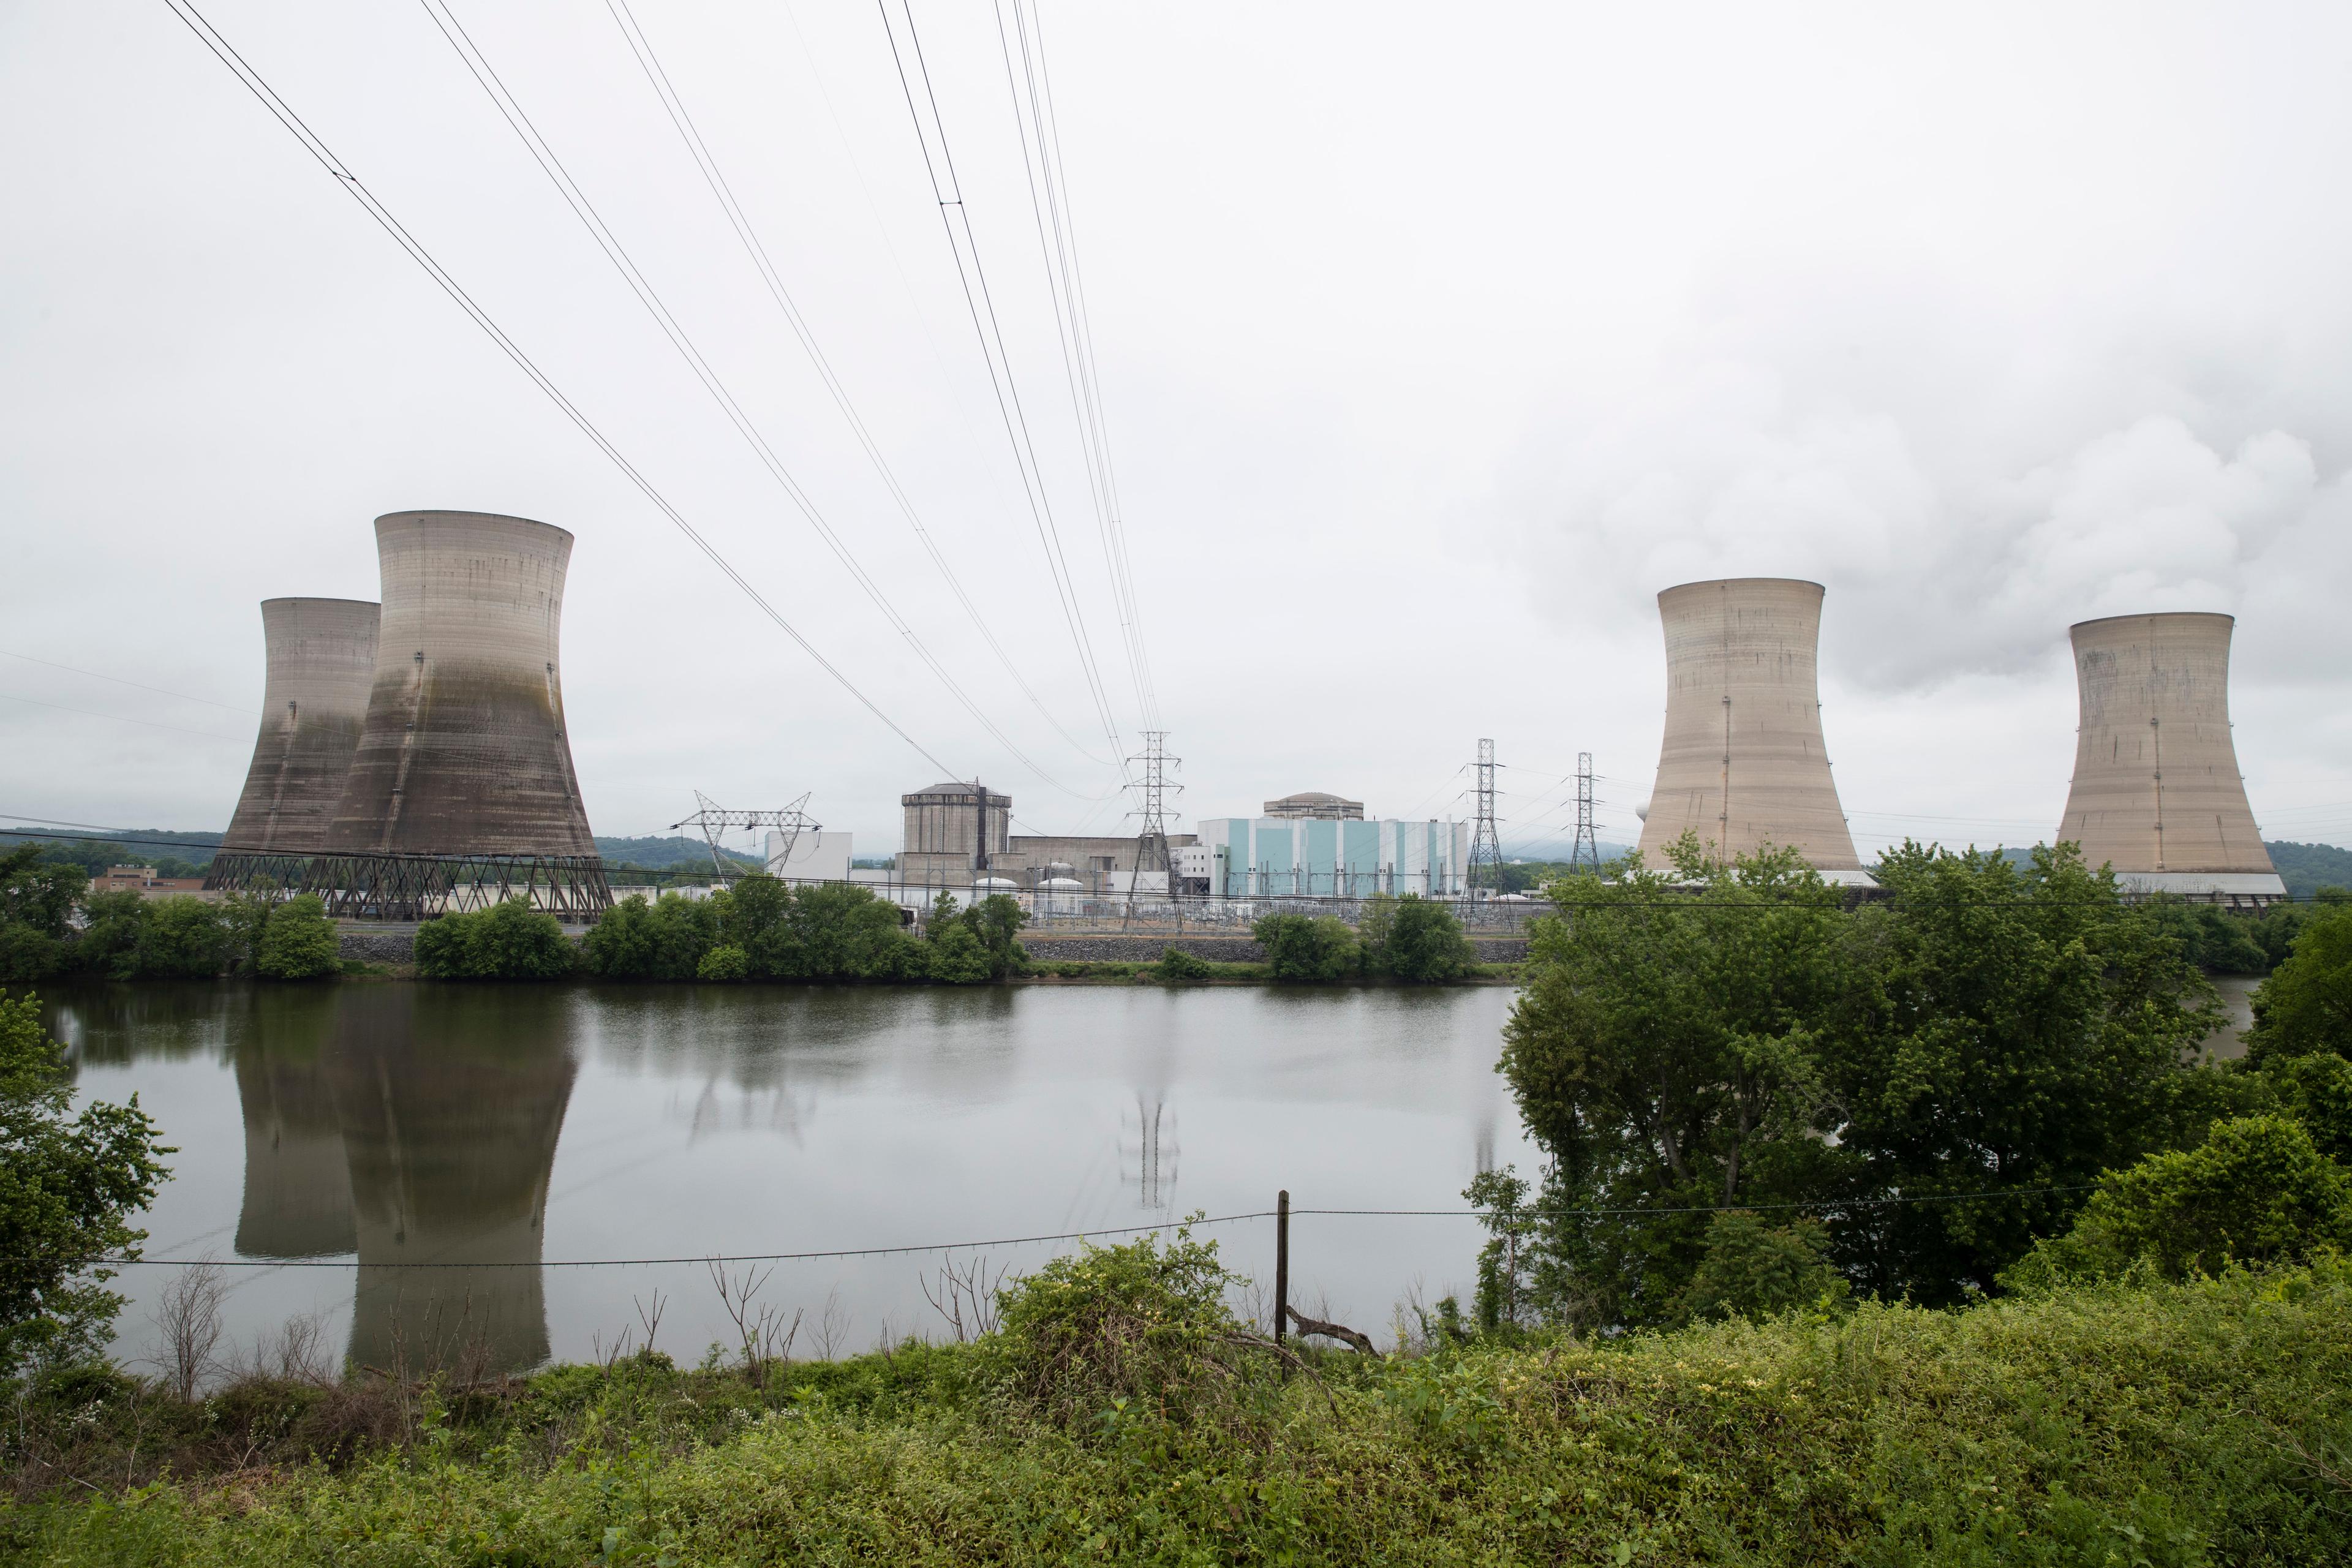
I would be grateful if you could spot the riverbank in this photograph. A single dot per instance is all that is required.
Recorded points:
(2163, 1425)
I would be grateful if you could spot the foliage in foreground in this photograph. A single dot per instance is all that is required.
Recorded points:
(68, 1184)
(2208, 1422)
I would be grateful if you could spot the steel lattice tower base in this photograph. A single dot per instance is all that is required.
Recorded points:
(420, 887)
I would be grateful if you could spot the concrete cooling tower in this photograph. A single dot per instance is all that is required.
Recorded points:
(2156, 792)
(1742, 765)
(321, 665)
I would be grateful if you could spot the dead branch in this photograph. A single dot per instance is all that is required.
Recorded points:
(1306, 1325)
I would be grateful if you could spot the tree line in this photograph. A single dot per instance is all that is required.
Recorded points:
(1751, 1097)
(50, 923)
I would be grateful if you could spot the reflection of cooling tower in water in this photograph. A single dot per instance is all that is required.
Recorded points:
(298, 1186)
(451, 1104)
(1742, 765)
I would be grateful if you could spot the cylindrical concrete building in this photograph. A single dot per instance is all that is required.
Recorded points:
(464, 751)
(2156, 792)
(1742, 763)
(320, 667)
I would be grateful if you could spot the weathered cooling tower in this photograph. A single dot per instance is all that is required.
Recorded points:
(321, 667)
(1742, 763)
(463, 756)
(2156, 792)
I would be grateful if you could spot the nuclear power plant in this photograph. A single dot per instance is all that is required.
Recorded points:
(1742, 765)
(456, 788)
(321, 665)
(2156, 792)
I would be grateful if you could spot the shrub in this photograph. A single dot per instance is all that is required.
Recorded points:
(299, 941)
(1415, 939)
(1751, 1270)
(1094, 1332)
(725, 962)
(661, 940)
(957, 957)
(2256, 1191)
(507, 941)
(1175, 964)
(2305, 1007)
(1300, 947)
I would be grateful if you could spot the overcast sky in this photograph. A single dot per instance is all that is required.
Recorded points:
(1433, 343)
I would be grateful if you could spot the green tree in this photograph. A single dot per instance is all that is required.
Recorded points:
(245, 913)
(1667, 1053)
(2305, 1007)
(67, 1186)
(664, 939)
(1415, 939)
(997, 920)
(2317, 1090)
(838, 931)
(1299, 947)
(2213, 939)
(300, 942)
(509, 941)
(2012, 1029)
(2256, 1191)
(37, 905)
(183, 938)
(112, 925)
(725, 962)
(957, 957)
(1751, 1269)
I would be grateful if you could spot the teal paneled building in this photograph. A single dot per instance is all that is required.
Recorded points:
(1291, 856)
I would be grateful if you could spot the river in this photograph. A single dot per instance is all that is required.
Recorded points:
(331, 1139)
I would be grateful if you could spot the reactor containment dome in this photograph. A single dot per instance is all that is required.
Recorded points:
(1742, 763)
(2157, 793)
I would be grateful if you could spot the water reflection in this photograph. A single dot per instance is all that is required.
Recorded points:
(298, 1184)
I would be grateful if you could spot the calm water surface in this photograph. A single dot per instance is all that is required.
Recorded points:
(373, 1126)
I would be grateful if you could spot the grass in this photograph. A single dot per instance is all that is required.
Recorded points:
(2204, 1422)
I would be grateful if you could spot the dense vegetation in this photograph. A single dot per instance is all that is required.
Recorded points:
(2306, 868)
(764, 929)
(1412, 939)
(1936, 1082)
(1119, 1411)
(128, 936)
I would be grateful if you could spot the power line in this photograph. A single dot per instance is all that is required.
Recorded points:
(1074, 329)
(121, 719)
(221, 51)
(182, 696)
(992, 350)
(682, 121)
(479, 65)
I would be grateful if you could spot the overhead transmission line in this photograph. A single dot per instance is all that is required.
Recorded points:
(254, 83)
(477, 64)
(682, 121)
(158, 690)
(1073, 324)
(978, 302)
(120, 719)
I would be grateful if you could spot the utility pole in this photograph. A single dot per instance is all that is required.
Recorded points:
(1486, 844)
(1587, 850)
(1153, 793)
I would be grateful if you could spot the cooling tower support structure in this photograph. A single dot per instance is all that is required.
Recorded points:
(1742, 765)
(319, 666)
(461, 791)
(2157, 793)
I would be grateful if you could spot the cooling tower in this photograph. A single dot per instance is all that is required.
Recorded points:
(464, 752)
(1742, 763)
(2156, 792)
(322, 665)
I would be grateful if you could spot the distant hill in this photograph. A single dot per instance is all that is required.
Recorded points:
(2307, 868)
(172, 851)
(661, 853)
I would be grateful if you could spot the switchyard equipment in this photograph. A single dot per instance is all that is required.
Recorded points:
(1742, 762)
(461, 791)
(2157, 793)
(319, 666)
(716, 821)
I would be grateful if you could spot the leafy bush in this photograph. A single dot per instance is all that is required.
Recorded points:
(2305, 1007)
(299, 941)
(510, 941)
(1299, 947)
(1175, 964)
(1751, 1270)
(957, 956)
(725, 962)
(661, 940)
(129, 936)
(67, 1188)
(2255, 1191)
(1094, 1333)
(1415, 939)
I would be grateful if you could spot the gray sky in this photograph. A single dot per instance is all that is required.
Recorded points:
(1433, 343)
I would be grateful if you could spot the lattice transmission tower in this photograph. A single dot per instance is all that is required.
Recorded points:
(716, 821)
(1486, 842)
(1587, 849)
(1153, 793)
